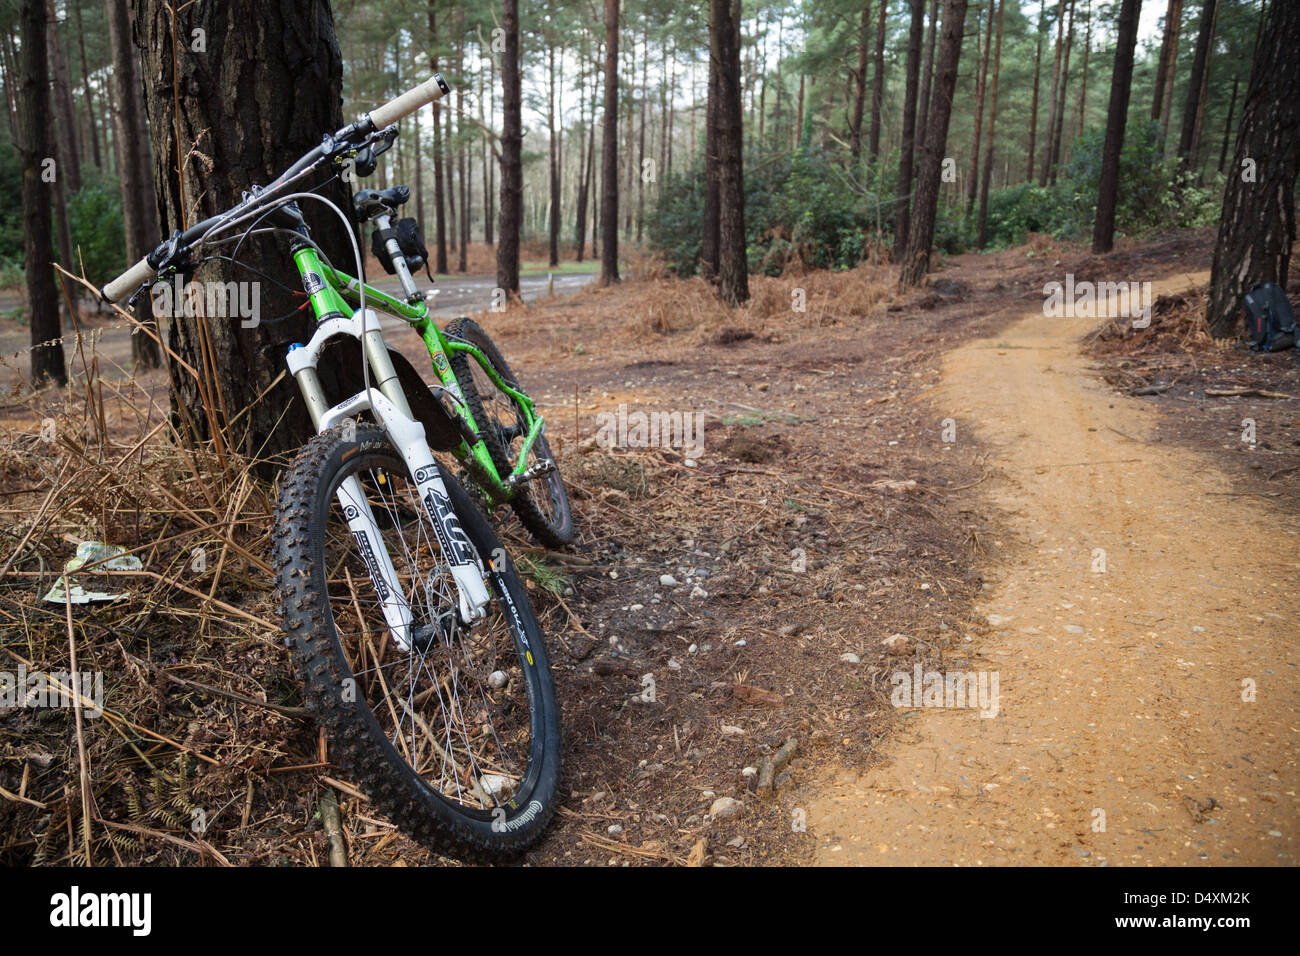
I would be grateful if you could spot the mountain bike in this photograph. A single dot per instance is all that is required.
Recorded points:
(406, 620)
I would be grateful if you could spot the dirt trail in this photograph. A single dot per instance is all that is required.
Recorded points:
(1119, 692)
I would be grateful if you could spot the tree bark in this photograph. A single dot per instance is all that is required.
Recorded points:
(988, 149)
(1196, 84)
(907, 154)
(1168, 55)
(1103, 230)
(1033, 106)
(38, 244)
(878, 84)
(512, 138)
(921, 232)
(1257, 228)
(1056, 90)
(219, 125)
(92, 114)
(860, 86)
(139, 206)
(609, 153)
(553, 170)
(710, 242)
(439, 200)
(1227, 126)
(981, 85)
(1060, 108)
(1087, 50)
(733, 263)
(927, 78)
(65, 112)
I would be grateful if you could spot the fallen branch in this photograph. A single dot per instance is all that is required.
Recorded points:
(1241, 392)
(773, 764)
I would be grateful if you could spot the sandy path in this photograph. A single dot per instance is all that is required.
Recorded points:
(1119, 692)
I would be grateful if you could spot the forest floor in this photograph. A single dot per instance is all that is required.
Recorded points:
(834, 531)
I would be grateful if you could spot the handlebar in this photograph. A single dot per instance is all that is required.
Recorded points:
(395, 109)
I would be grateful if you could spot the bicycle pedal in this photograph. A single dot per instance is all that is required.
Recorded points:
(543, 467)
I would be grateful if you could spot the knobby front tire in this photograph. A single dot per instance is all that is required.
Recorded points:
(456, 739)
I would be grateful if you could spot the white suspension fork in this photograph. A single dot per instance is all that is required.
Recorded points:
(408, 437)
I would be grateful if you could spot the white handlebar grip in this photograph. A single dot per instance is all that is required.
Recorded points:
(431, 89)
(117, 289)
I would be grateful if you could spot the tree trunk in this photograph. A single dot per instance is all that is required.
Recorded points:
(927, 78)
(907, 154)
(1227, 126)
(733, 263)
(139, 207)
(860, 86)
(640, 163)
(981, 84)
(1196, 84)
(920, 234)
(65, 113)
(1103, 230)
(1168, 55)
(710, 239)
(609, 153)
(1060, 107)
(1056, 90)
(1257, 228)
(512, 139)
(1087, 50)
(92, 114)
(462, 158)
(988, 148)
(439, 201)
(219, 125)
(553, 172)
(1033, 106)
(34, 149)
(878, 84)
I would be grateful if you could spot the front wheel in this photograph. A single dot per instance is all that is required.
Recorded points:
(457, 737)
(542, 503)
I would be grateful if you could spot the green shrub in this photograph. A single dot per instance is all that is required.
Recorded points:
(98, 234)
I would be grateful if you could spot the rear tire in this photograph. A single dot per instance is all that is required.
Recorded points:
(478, 777)
(542, 504)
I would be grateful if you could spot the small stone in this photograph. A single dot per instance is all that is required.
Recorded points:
(724, 808)
(497, 679)
(850, 658)
(497, 786)
(699, 592)
(667, 580)
(997, 620)
(635, 607)
(615, 828)
(749, 772)
(897, 645)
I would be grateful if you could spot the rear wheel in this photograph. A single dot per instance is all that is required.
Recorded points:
(456, 738)
(542, 503)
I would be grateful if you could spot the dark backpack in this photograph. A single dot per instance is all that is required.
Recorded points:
(1270, 322)
(409, 240)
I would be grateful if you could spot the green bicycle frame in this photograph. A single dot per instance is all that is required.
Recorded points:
(340, 293)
